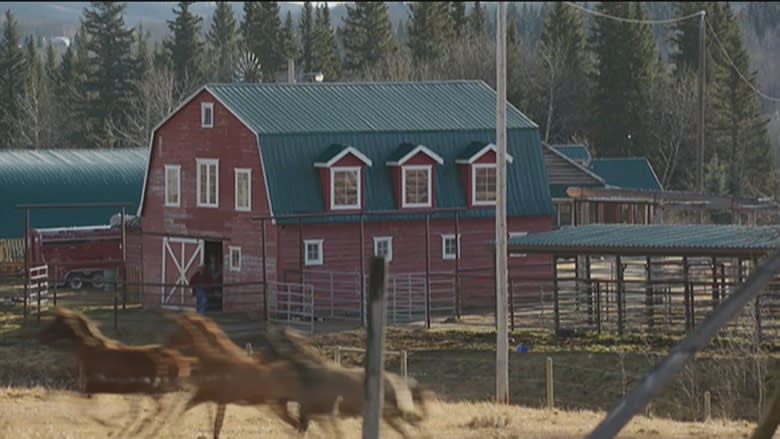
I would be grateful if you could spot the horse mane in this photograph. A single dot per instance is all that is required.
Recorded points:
(83, 327)
(197, 328)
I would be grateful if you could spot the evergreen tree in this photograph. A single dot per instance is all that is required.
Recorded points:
(111, 70)
(625, 54)
(12, 68)
(325, 57)
(51, 63)
(184, 48)
(367, 35)
(222, 41)
(478, 21)
(460, 22)
(306, 27)
(565, 55)
(289, 39)
(143, 58)
(430, 30)
(261, 31)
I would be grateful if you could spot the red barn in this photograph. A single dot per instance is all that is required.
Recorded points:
(333, 173)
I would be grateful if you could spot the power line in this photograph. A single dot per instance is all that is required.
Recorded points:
(736, 69)
(633, 20)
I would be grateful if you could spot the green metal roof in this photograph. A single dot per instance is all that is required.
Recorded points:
(469, 151)
(67, 176)
(627, 172)
(653, 239)
(574, 152)
(401, 151)
(295, 187)
(330, 152)
(352, 107)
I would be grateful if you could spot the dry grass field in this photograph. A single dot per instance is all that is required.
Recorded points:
(37, 413)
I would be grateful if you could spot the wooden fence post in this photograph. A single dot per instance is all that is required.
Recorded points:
(707, 406)
(550, 383)
(116, 305)
(337, 355)
(373, 389)
(248, 348)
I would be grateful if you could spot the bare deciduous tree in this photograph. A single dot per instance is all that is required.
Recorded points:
(35, 126)
(155, 99)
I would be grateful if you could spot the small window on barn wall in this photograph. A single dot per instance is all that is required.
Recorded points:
(243, 189)
(383, 246)
(517, 235)
(312, 251)
(484, 185)
(416, 186)
(345, 187)
(207, 115)
(172, 185)
(235, 258)
(450, 248)
(207, 180)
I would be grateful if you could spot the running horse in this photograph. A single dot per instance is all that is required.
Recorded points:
(312, 381)
(107, 366)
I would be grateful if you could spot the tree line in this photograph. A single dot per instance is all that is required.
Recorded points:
(582, 79)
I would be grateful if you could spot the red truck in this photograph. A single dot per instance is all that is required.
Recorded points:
(77, 256)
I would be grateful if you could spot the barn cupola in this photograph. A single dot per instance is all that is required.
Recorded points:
(414, 177)
(478, 167)
(342, 175)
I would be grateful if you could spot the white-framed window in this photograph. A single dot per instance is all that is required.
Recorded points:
(235, 258)
(312, 251)
(517, 235)
(173, 185)
(345, 187)
(243, 189)
(450, 247)
(383, 246)
(207, 115)
(416, 186)
(207, 180)
(483, 184)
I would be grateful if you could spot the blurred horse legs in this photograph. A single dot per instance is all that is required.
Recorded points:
(219, 419)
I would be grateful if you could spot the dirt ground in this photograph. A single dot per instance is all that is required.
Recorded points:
(37, 413)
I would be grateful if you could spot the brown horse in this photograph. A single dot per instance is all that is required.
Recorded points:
(226, 374)
(320, 385)
(110, 367)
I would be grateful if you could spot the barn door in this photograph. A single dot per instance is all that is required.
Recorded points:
(181, 256)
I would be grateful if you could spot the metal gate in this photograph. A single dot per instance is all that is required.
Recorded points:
(291, 303)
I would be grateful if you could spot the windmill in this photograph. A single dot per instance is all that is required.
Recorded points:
(248, 68)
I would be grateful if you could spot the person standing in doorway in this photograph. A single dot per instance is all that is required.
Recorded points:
(199, 282)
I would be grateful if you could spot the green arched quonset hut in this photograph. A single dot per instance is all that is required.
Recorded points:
(66, 176)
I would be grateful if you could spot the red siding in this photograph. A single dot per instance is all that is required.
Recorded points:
(179, 142)
(488, 157)
(341, 251)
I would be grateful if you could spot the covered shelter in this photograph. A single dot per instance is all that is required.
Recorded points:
(643, 277)
(67, 176)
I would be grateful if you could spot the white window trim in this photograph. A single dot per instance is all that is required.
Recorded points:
(176, 168)
(403, 185)
(389, 239)
(444, 239)
(236, 173)
(203, 107)
(231, 249)
(335, 169)
(308, 261)
(474, 168)
(198, 163)
(517, 235)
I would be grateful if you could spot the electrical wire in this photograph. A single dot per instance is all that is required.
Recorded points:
(736, 69)
(634, 20)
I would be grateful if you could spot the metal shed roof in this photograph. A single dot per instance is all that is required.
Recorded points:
(653, 239)
(67, 176)
(574, 152)
(627, 172)
(362, 107)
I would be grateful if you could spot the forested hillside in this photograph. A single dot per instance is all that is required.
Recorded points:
(624, 87)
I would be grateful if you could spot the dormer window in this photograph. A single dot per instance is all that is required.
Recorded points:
(484, 184)
(479, 169)
(345, 187)
(413, 175)
(341, 176)
(207, 115)
(416, 186)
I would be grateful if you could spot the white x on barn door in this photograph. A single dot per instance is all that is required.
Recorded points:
(180, 254)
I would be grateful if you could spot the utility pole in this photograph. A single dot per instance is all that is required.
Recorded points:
(502, 341)
(702, 62)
